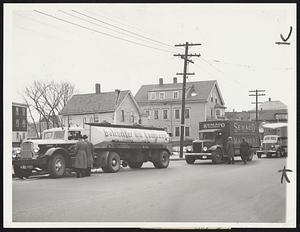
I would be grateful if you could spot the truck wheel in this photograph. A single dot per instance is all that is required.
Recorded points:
(189, 159)
(113, 163)
(21, 173)
(162, 160)
(135, 165)
(57, 166)
(216, 156)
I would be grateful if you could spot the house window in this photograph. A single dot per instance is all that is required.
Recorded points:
(122, 116)
(17, 123)
(218, 112)
(132, 117)
(147, 114)
(216, 100)
(211, 112)
(177, 131)
(175, 94)
(177, 114)
(96, 118)
(155, 114)
(17, 110)
(212, 99)
(153, 96)
(24, 112)
(187, 131)
(23, 135)
(162, 95)
(23, 123)
(165, 114)
(187, 113)
(17, 135)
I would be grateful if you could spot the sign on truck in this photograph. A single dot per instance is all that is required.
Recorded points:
(213, 136)
(114, 145)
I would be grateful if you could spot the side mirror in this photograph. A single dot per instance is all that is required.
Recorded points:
(170, 134)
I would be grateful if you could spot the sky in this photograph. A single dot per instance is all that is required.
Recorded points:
(123, 46)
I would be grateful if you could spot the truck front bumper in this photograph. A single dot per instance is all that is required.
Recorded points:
(29, 163)
(202, 155)
(266, 152)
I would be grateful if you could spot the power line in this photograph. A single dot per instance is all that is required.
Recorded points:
(112, 25)
(108, 28)
(258, 92)
(100, 32)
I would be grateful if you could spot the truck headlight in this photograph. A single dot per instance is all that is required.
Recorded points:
(189, 148)
(18, 151)
(204, 148)
(272, 146)
(36, 149)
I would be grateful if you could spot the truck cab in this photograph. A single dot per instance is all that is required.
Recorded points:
(209, 146)
(51, 154)
(273, 145)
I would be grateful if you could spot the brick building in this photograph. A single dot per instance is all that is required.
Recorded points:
(19, 123)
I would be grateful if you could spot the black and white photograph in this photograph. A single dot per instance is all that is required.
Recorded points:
(147, 115)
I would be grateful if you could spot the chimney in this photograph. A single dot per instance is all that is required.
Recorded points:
(269, 99)
(174, 80)
(161, 81)
(98, 88)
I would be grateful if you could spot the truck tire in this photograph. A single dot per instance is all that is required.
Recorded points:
(22, 173)
(189, 159)
(135, 165)
(57, 166)
(113, 163)
(216, 156)
(162, 160)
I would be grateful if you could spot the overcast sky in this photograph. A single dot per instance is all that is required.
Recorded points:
(238, 47)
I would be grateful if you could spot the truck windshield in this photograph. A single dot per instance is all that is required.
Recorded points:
(53, 135)
(207, 135)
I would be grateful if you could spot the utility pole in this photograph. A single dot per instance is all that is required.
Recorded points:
(258, 92)
(185, 57)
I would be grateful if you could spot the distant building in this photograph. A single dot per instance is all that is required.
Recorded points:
(19, 123)
(161, 104)
(117, 107)
(242, 116)
(268, 111)
(271, 111)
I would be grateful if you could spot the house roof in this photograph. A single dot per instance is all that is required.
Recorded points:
(94, 103)
(271, 105)
(202, 88)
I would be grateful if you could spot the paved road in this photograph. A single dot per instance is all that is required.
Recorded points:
(181, 193)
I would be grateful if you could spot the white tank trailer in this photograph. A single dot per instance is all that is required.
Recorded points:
(116, 145)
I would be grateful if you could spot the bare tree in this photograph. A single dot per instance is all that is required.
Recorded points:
(46, 99)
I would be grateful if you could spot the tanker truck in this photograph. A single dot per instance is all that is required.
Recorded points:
(114, 145)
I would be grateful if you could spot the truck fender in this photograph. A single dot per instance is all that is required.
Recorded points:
(49, 153)
(101, 158)
(215, 147)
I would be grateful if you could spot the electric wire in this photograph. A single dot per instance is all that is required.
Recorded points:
(103, 33)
